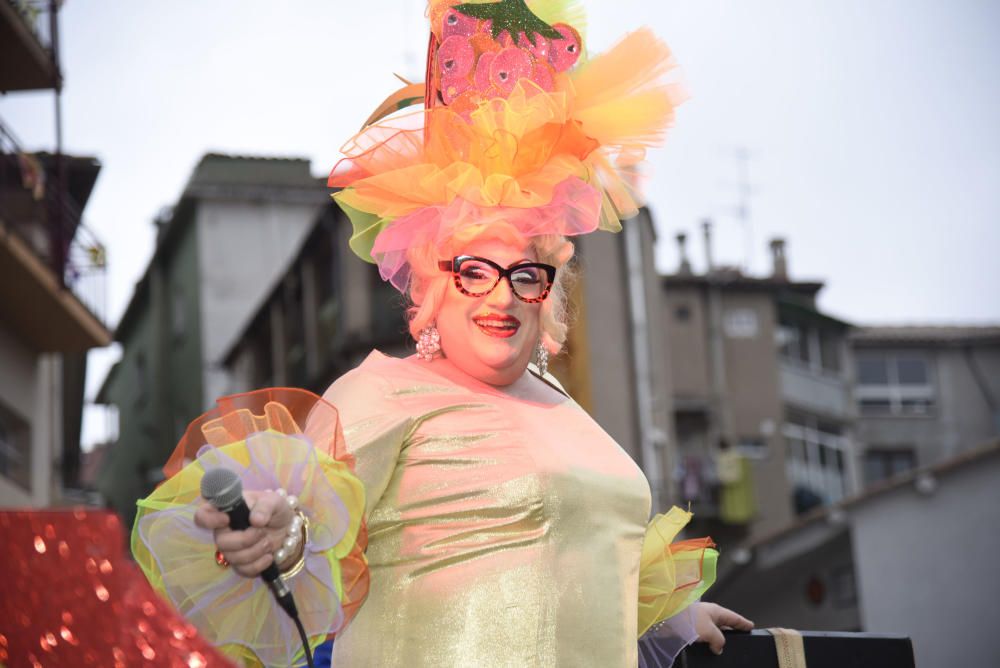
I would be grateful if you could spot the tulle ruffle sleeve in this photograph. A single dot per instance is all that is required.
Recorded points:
(271, 438)
(672, 576)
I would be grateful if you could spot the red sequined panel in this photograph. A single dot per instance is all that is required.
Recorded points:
(72, 598)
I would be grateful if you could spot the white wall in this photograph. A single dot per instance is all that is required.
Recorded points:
(31, 389)
(243, 247)
(927, 565)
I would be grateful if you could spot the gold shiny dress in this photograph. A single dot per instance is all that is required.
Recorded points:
(502, 532)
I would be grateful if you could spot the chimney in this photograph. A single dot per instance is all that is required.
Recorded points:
(162, 221)
(706, 228)
(779, 262)
(685, 266)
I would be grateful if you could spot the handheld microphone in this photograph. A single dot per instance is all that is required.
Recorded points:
(223, 489)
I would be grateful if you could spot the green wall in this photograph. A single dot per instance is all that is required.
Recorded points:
(157, 386)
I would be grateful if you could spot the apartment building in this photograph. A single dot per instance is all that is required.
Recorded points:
(218, 252)
(924, 394)
(762, 396)
(52, 268)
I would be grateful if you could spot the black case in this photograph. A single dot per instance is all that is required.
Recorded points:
(823, 650)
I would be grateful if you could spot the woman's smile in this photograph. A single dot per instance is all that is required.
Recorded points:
(499, 325)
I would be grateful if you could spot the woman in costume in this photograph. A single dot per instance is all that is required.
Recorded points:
(504, 526)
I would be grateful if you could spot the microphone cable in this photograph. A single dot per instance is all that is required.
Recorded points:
(305, 641)
(224, 490)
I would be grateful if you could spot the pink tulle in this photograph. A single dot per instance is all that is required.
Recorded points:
(574, 210)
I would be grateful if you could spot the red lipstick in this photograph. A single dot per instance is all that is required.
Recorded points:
(498, 325)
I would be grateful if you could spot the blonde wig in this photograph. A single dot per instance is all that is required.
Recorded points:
(428, 283)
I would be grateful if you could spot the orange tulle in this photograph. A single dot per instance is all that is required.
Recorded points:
(237, 416)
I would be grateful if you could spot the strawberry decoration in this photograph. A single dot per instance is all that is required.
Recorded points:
(508, 67)
(456, 23)
(456, 57)
(541, 74)
(483, 70)
(564, 50)
(539, 48)
(452, 87)
(486, 48)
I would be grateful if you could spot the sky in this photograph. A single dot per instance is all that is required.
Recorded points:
(870, 127)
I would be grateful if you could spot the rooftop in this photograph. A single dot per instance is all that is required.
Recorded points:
(914, 478)
(231, 177)
(927, 334)
(218, 169)
(733, 278)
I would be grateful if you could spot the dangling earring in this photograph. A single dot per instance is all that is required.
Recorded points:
(428, 343)
(542, 357)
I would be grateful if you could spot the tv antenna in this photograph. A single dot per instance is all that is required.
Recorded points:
(745, 192)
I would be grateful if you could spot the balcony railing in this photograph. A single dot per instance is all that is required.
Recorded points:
(35, 205)
(35, 14)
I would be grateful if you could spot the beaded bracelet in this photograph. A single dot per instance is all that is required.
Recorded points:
(298, 533)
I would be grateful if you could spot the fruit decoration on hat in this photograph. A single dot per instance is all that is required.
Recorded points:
(517, 123)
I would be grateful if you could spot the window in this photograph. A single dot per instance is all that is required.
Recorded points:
(845, 589)
(262, 350)
(817, 457)
(178, 313)
(326, 273)
(141, 377)
(884, 463)
(829, 351)
(793, 341)
(811, 344)
(294, 311)
(15, 449)
(752, 447)
(875, 406)
(387, 325)
(873, 371)
(740, 323)
(911, 371)
(894, 384)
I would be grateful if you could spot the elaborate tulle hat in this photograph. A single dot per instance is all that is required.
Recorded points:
(517, 124)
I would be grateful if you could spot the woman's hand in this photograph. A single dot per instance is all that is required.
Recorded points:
(710, 619)
(251, 551)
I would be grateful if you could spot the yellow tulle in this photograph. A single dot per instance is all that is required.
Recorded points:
(672, 575)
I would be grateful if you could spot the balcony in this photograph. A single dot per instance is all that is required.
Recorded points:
(812, 390)
(52, 267)
(26, 61)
